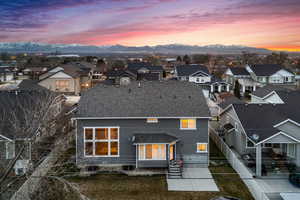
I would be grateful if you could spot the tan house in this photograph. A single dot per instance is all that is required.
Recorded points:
(65, 79)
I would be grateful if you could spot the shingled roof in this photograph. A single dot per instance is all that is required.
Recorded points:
(135, 67)
(187, 70)
(261, 119)
(265, 69)
(144, 99)
(239, 71)
(262, 92)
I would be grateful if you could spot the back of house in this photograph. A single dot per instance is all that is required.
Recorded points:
(143, 124)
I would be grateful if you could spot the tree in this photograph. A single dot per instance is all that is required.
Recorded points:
(201, 58)
(237, 89)
(179, 59)
(186, 59)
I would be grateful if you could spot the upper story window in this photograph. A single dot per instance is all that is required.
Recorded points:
(152, 120)
(201, 147)
(62, 84)
(188, 124)
(101, 142)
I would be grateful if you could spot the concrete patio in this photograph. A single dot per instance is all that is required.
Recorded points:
(194, 179)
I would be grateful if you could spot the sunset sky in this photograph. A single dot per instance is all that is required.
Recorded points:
(273, 24)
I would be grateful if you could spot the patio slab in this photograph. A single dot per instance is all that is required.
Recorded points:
(194, 179)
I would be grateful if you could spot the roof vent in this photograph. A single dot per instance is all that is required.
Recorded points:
(139, 84)
(175, 97)
(129, 90)
(190, 97)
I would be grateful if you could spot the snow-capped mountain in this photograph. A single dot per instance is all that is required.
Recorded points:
(31, 47)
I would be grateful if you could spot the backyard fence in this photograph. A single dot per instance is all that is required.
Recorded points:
(238, 166)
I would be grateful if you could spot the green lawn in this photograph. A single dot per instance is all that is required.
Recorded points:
(155, 187)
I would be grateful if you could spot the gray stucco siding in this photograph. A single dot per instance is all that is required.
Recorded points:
(185, 147)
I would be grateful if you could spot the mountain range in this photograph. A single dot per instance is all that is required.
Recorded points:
(30, 47)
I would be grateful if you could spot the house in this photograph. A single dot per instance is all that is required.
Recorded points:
(69, 79)
(19, 122)
(265, 136)
(121, 76)
(199, 74)
(243, 77)
(270, 94)
(142, 124)
(32, 72)
(146, 71)
(6, 74)
(271, 74)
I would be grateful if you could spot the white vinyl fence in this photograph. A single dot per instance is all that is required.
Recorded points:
(239, 167)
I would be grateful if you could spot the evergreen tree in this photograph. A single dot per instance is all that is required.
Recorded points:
(186, 59)
(237, 89)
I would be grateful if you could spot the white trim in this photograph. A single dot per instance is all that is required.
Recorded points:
(145, 159)
(6, 138)
(7, 153)
(283, 122)
(108, 140)
(140, 117)
(208, 75)
(206, 151)
(277, 135)
(188, 128)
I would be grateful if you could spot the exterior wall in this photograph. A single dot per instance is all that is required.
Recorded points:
(186, 147)
(6, 77)
(274, 98)
(237, 138)
(256, 100)
(291, 129)
(49, 83)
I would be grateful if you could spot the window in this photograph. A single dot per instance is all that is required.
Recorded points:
(10, 150)
(152, 152)
(201, 147)
(101, 142)
(291, 150)
(188, 124)
(62, 84)
(152, 120)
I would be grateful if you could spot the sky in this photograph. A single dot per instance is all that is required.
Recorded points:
(272, 24)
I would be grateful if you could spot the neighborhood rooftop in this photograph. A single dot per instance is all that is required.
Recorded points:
(186, 70)
(265, 69)
(144, 99)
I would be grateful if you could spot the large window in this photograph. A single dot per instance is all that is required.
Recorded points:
(62, 84)
(152, 152)
(101, 142)
(188, 124)
(201, 147)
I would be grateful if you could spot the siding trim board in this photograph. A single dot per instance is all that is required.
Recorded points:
(285, 121)
(282, 133)
(6, 138)
(82, 118)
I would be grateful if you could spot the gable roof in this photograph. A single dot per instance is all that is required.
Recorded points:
(136, 66)
(229, 101)
(264, 91)
(145, 138)
(260, 119)
(239, 71)
(266, 69)
(170, 99)
(187, 70)
(118, 73)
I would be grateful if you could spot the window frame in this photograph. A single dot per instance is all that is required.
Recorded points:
(94, 141)
(144, 158)
(181, 128)
(152, 120)
(200, 143)
(58, 85)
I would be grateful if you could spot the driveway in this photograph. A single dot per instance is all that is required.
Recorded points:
(194, 179)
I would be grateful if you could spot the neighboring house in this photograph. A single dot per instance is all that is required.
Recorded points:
(199, 74)
(271, 74)
(14, 119)
(6, 74)
(67, 79)
(32, 72)
(121, 76)
(270, 94)
(143, 124)
(266, 136)
(243, 77)
(146, 71)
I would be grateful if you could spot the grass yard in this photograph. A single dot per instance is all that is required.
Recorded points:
(122, 187)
